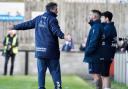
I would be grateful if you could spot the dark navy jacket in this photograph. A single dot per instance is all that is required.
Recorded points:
(110, 41)
(93, 44)
(47, 32)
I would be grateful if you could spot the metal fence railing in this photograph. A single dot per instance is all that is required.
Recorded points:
(121, 67)
(26, 59)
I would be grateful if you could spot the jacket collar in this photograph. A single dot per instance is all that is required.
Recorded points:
(111, 23)
(51, 13)
(94, 22)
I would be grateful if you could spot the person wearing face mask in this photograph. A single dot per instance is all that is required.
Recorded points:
(109, 46)
(10, 50)
(93, 48)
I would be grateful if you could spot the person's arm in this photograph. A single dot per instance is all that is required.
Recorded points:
(107, 32)
(72, 44)
(25, 25)
(94, 41)
(17, 42)
(4, 41)
(55, 28)
(110, 33)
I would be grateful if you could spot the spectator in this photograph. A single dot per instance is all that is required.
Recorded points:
(10, 50)
(68, 45)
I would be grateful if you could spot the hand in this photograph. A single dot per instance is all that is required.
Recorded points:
(122, 49)
(9, 46)
(66, 37)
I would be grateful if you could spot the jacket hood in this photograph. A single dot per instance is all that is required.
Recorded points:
(50, 13)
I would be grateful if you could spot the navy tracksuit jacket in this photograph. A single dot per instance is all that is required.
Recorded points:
(47, 32)
(100, 44)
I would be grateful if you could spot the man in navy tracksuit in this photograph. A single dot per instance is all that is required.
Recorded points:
(47, 53)
(109, 47)
(93, 46)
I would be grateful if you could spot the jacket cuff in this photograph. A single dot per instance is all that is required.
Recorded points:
(63, 36)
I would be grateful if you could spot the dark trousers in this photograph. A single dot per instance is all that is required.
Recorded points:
(54, 67)
(7, 57)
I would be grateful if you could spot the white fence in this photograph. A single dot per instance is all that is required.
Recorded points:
(121, 68)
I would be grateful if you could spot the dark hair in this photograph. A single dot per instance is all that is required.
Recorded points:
(108, 14)
(97, 12)
(50, 6)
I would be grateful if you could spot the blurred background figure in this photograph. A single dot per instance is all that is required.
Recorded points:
(10, 50)
(122, 45)
(83, 45)
(68, 44)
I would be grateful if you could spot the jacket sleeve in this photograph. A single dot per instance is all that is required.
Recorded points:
(94, 41)
(17, 43)
(111, 34)
(107, 32)
(72, 44)
(55, 28)
(4, 41)
(25, 25)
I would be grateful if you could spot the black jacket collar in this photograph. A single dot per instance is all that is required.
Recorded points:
(111, 23)
(94, 22)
